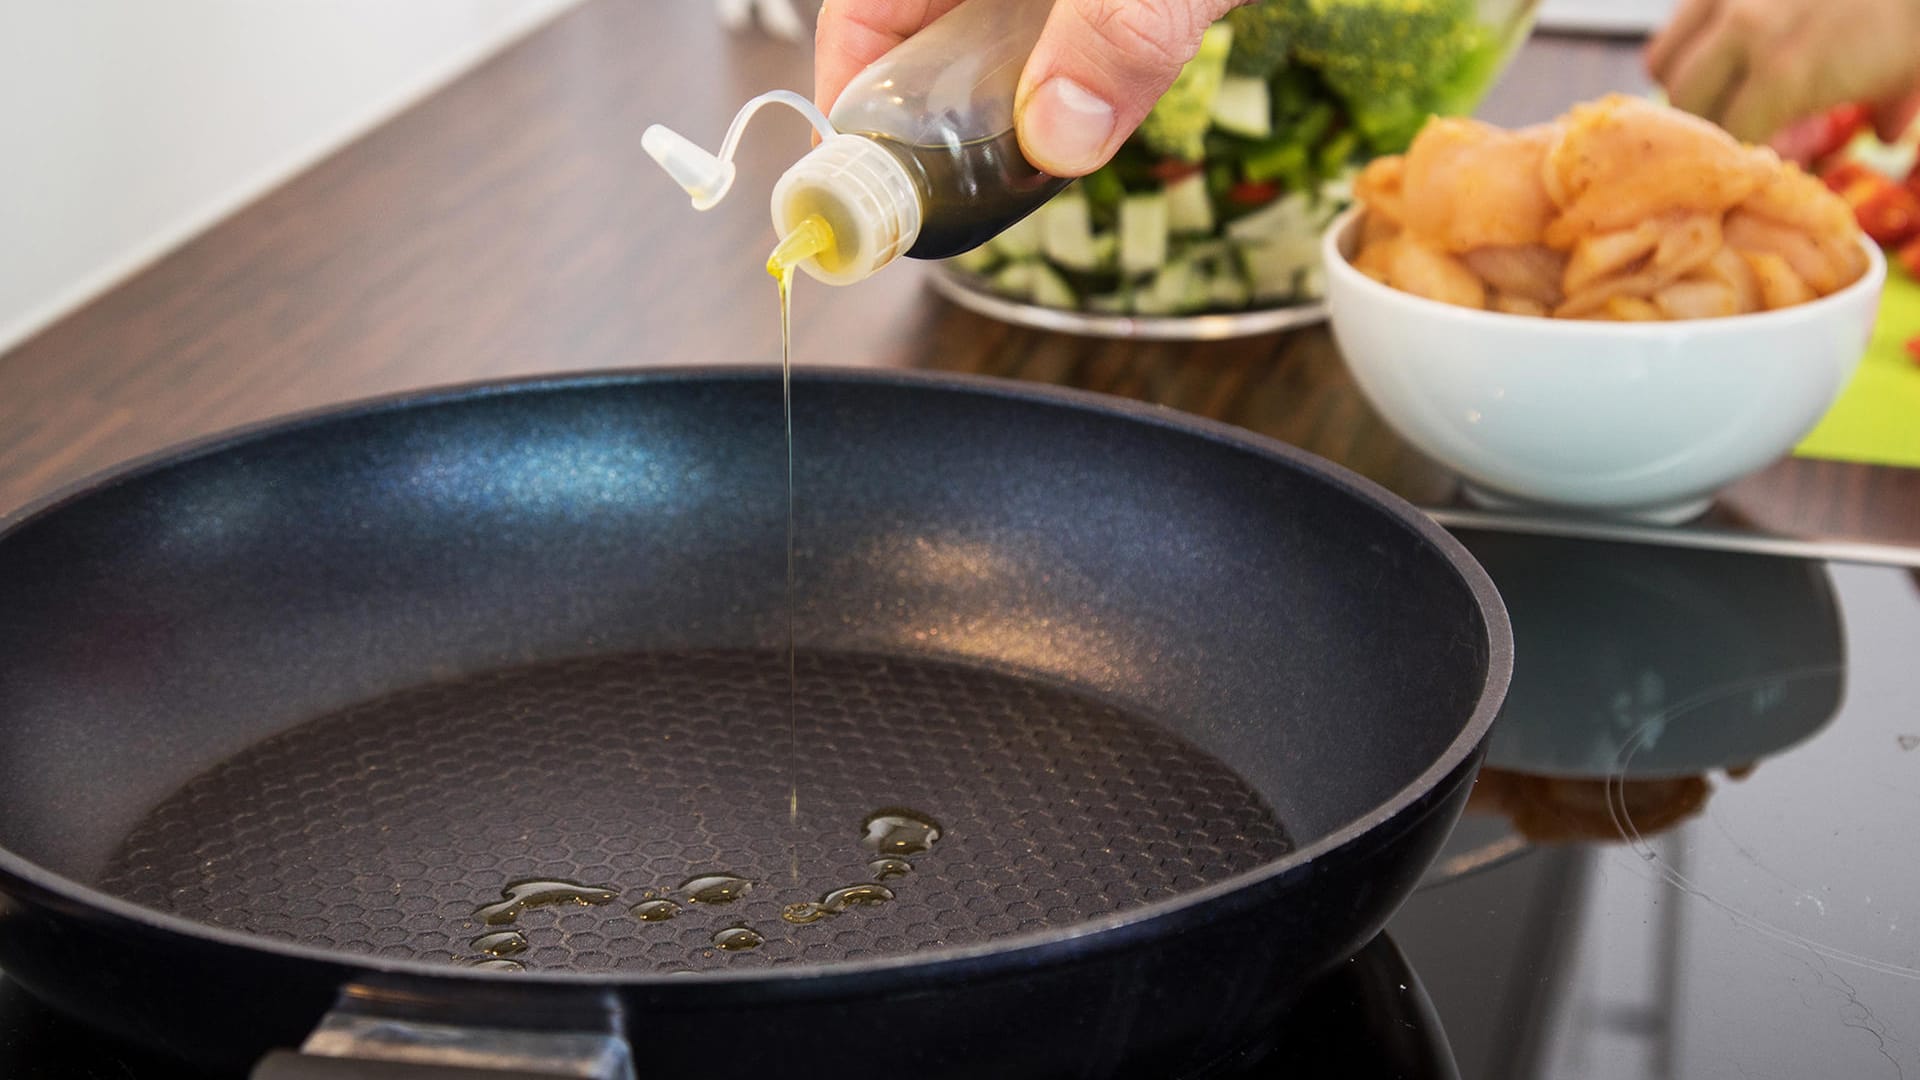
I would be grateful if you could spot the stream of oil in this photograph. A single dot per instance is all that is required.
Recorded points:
(810, 238)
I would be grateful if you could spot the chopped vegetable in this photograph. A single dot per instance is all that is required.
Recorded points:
(1252, 193)
(1143, 233)
(1021, 240)
(1050, 289)
(1015, 280)
(1909, 257)
(1262, 37)
(1890, 214)
(1394, 62)
(1913, 349)
(1243, 107)
(1066, 236)
(1177, 125)
(1188, 208)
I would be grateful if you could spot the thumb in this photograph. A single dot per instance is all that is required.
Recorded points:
(1099, 66)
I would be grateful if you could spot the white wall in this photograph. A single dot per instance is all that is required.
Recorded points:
(126, 126)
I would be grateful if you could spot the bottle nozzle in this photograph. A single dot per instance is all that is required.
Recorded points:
(708, 177)
(812, 237)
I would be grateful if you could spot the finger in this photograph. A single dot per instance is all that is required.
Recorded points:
(1688, 21)
(1099, 66)
(1705, 73)
(1892, 119)
(1759, 107)
(851, 34)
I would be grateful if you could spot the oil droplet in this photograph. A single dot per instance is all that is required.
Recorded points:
(715, 888)
(501, 943)
(500, 965)
(899, 833)
(840, 900)
(656, 910)
(804, 912)
(539, 892)
(887, 868)
(737, 939)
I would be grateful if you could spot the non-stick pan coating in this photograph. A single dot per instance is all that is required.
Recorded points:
(1248, 605)
(381, 829)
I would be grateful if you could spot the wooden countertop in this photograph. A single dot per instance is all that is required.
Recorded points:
(511, 225)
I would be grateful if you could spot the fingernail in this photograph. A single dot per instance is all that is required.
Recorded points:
(1065, 127)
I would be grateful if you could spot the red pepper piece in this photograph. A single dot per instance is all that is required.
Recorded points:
(1253, 192)
(1891, 215)
(1168, 170)
(1909, 257)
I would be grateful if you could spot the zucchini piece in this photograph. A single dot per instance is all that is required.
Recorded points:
(1228, 289)
(1015, 280)
(1051, 290)
(1143, 233)
(978, 261)
(1188, 208)
(1021, 240)
(1243, 107)
(1066, 231)
(1275, 267)
(1288, 217)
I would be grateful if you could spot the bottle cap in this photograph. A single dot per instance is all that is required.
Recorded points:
(705, 176)
(867, 197)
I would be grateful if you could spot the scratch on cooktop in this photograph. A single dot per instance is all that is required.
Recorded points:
(1853, 1012)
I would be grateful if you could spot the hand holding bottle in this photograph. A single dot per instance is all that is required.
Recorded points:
(1098, 68)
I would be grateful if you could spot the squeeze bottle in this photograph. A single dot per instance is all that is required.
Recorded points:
(918, 157)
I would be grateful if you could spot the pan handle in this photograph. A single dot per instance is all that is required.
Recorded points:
(372, 1037)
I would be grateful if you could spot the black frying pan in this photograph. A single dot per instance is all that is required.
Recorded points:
(278, 713)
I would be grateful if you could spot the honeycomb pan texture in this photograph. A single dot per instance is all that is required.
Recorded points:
(381, 829)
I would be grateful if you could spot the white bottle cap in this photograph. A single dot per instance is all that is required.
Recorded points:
(865, 194)
(706, 177)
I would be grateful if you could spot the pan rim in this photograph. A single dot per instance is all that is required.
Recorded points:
(1004, 955)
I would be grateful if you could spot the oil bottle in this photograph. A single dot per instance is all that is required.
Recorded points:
(919, 156)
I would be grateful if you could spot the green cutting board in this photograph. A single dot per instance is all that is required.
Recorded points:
(1876, 421)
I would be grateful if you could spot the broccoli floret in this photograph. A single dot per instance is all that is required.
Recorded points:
(1177, 126)
(1389, 60)
(1263, 34)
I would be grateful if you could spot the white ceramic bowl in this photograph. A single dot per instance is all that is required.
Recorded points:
(1633, 420)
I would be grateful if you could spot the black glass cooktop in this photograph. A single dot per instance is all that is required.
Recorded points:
(1694, 850)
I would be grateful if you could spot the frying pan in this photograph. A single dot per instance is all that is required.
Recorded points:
(280, 713)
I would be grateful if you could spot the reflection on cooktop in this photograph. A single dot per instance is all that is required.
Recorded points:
(1694, 852)
(1695, 849)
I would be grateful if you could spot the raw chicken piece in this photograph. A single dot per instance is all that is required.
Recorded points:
(1594, 297)
(1621, 160)
(1687, 241)
(1423, 271)
(1471, 185)
(1696, 299)
(1380, 186)
(1779, 285)
(1598, 255)
(1729, 269)
(1754, 235)
(1529, 272)
(1788, 196)
(1518, 305)
(1630, 309)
